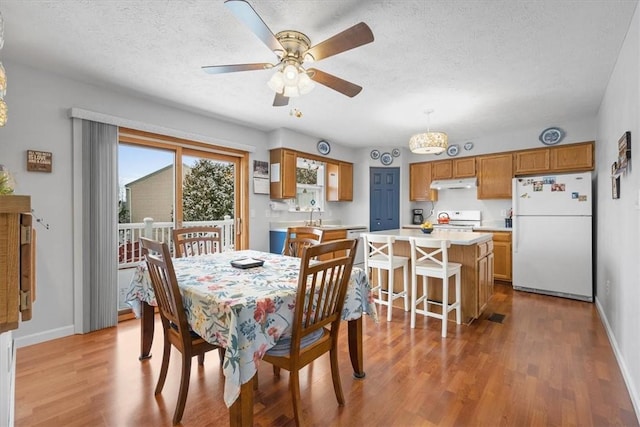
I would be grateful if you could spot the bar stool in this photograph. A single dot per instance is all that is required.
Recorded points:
(379, 255)
(424, 262)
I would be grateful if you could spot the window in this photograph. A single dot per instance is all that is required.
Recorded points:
(310, 189)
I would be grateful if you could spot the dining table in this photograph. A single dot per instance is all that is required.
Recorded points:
(245, 311)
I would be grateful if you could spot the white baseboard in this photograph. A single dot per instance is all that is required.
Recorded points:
(633, 392)
(44, 336)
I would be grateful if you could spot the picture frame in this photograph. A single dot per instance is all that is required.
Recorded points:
(624, 152)
(260, 177)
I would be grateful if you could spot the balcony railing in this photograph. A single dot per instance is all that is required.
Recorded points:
(130, 254)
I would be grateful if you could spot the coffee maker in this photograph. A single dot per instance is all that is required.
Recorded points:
(417, 216)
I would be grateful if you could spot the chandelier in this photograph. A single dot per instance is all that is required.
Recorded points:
(291, 80)
(428, 142)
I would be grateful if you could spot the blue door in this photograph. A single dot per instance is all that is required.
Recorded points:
(384, 199)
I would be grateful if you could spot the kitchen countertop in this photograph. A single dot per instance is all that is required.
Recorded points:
(456, 237)
(282, 226)
(480, 228)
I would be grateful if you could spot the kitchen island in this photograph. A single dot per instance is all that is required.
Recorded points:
(473, 250)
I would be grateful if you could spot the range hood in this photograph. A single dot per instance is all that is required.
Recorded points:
(450, 184)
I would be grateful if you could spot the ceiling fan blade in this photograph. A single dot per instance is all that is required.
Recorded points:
(350, 38)
(219, 69)
(247, 15)
(335, 83)
(280, 100)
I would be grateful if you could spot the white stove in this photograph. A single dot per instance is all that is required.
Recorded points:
(458, 220)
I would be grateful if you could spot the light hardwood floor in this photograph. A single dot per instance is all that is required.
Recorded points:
(549, 363)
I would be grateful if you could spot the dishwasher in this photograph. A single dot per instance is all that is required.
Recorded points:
(355, 233)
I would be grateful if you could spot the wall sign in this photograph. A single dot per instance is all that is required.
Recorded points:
(39, 161)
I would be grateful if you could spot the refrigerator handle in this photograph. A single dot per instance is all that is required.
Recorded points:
(514, 234)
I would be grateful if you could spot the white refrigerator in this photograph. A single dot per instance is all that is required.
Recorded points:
(552, 235)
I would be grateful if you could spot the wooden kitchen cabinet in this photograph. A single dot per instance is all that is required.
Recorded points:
(502, 255)
(495, 173)
(464, 167)
(442, 169)
(484, 270)
(283, 166)
(420, 182)
(572, 158)
(454, 168)
(564, 158)
(339, 182)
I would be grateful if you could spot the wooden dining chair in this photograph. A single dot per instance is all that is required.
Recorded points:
(197, 240)
(322, 287)
(298, 238)
(176, 329)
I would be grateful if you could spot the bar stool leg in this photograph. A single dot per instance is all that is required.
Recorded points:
(390, 293)
(445, 305)
(458, 300)
(405, 270)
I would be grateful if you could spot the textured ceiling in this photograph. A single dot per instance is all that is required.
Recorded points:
(482, 66)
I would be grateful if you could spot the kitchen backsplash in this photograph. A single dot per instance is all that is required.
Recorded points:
(493, 211)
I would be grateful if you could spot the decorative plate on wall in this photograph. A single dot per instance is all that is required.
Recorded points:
(323, 147)
(453, 150)
(386, 159)
(551, 136)
(468, 146)
(395, 152)
(375, 154)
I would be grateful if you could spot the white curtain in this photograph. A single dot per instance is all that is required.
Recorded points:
(100, 225)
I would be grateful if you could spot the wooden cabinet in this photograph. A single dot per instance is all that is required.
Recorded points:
(454, 168)
(532, 161)
(564, 158)
(420, 182)
(17, 261)
(442, 169)
(572, 158)
(495, 173)
(283, 166)
(484, 271)
(502, 254)
(339, 182)
(464, 167)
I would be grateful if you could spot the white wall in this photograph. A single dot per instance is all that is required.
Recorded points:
(618, 231)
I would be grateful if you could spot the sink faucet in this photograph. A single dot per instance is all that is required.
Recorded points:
(311, 218)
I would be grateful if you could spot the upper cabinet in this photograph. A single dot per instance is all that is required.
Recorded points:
(495, 173)
(454, 168)
(464, 167)
(283, 174)
(339, 182)
(442, 169)
(420, 182)
(564, 158)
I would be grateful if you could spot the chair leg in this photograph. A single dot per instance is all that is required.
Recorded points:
(201, 359)
(390, 293)
(405, 270)
(184, 388)
(458, 300)
(294, 386)
(445, 305)
(166, 354)
(221, 352)
(414, 291)
(276, 371)
(335, 375)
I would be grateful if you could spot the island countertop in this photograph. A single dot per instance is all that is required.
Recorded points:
(456, 237)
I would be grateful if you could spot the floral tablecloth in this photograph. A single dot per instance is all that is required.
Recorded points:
(245, 311)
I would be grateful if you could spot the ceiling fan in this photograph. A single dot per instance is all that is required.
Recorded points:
(293, 49)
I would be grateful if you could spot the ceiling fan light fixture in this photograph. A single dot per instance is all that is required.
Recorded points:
(3, 113)
(291, 91)
(276, 82)
(305, 84)
(290, 74)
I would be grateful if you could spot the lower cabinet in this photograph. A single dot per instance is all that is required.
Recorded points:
(484, 273)
(502, 252)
